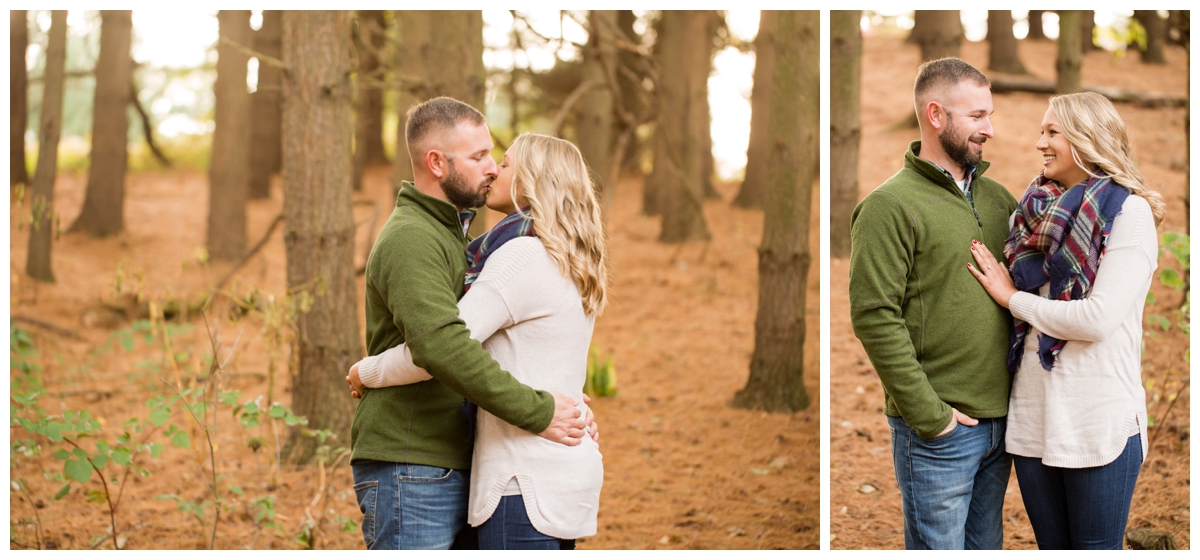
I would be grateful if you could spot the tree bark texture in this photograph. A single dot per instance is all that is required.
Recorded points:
(595, 125)
(415, 39)
(633, 99)
(1156, 35)
(678, 137)
(1087, 28)
(229, 171)
(845, 126)
(319, 226)
(1036, 31)
(266, 146)
(1002, 44)
(754, 182)
(655, 186)
(709, 164)
(938, 32)
(1069, 62)
(44, 220)
(18, 41)
(103, 211)
(368, 111)
(776, 380)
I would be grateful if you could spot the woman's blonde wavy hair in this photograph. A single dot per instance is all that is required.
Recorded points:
(1098, 139)
(550, 176)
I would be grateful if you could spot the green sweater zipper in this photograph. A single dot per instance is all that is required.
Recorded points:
(934, 336)
(414, 280)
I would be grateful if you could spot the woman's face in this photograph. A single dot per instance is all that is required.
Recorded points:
(499, 197)
(1056, 153)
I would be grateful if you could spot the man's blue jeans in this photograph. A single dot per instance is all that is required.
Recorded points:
(412, 507)
(1080, 509)
(509, 528)
(952, 486)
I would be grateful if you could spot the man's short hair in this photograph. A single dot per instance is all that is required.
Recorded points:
(436, 115)
(944, 72)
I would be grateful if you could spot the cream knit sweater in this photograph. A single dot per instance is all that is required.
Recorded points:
(1082, 412)
(530, 318)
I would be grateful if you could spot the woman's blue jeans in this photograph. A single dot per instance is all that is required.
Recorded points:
(1081, 509)
(509, 528)
(952, 486)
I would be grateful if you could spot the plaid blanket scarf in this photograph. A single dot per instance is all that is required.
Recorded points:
(511, 227)
(1058, 236)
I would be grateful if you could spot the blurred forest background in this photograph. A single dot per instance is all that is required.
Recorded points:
(1138, 59)
(194, 195)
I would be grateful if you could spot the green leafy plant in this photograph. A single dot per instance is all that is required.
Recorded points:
(601, 380)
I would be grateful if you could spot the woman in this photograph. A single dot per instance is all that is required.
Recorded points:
(1083, 250)
(533, 307)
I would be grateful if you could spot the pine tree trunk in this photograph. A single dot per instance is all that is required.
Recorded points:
(939, 32)
(45, 222)
(1002, 44)
(709, 169)
(678, 136)
(229, 172)
(18, 41)
(1087, 28)
(415, 39)
(1069, 60)
(266, 147)
(655, 186)
(776, 382)
(368, 111)
(103, 211)
(319, 235)
(631, 88)
(753, 188)
(1156, 35)
(1036, 31)
(845, 127)
(595, 126)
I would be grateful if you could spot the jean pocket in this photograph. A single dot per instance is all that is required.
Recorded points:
(941, 437)
(367, 494)
(425, 474)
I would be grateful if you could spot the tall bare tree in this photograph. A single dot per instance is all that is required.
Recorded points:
(1036, 31)
(1069, 61)
(776, 380)
(845, 127)
(1002, 44)
(229, 171)
(1156, 35)
(44, 222)
(103, 211)
(18, 41)
(595, 124)
(266, 147)
(678, 135)
(938, 32)
(368, 111)
(319, 235)
(754, 182)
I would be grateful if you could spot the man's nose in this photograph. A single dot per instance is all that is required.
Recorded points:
(492, 170)
(987, 129)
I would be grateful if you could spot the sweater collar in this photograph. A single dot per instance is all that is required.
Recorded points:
(934, 172)
(443, 212)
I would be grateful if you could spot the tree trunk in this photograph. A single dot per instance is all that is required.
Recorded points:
(776, 380)
(655, 185)
(595, 126)
(415, 40)
(103, 211)
(18, 41)
(845, 127)
(708, 163)
(1156, 35)
(229, 172)
(679, 134)
(1179, 28)
(753, 188)
(939, 32)
(1087, 29)
(368, 113)
(45, 222)
(632, 96)
(1069, 61)
(1002, 44)
(266, 107)
(1036, 31)
(319, 234)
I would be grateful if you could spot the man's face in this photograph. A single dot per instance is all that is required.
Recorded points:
(968, 124)
(471, 167)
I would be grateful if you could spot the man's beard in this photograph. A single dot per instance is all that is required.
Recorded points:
(959, 152)
(459, 193)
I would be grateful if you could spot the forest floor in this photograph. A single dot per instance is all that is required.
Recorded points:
(865, 502)
(683, 470)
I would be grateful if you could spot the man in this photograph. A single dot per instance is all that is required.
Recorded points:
(936, 339)
(412, 444)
